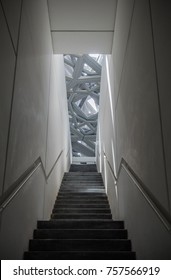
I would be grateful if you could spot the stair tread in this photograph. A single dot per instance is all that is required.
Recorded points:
(84, 173)
(78, 212)
(83, 230)
(87, 204)
(80, 220)
(89, 214)
(80, 223)
(91, 255)
(79, 206)
(80, 216)
(80, 233)
(89, 198)
(82, 190)
(86, 208)
(102, 200)
(80, 244)
(80, 196)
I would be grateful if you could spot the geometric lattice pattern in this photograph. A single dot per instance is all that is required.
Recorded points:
(83, 76)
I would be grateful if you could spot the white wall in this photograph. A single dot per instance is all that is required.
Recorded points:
(33, 120)
(162, 44)
(150, 239)
(139, 107)
(105, 138)
(7, 66)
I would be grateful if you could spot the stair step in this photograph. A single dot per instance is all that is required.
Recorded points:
(81, 210)
(82, 173)
(84, 179)
(72, 255)
(81, 186)
(80, 234)
(83, 195)
(83, 168)
(80, 198)
(81, 216)
(70, 198)
(78, 183)
(76, 201)
(79, 206)
(81, 190)
(80, 224)
(80, 245)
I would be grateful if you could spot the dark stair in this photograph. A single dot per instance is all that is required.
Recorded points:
(81, 225)
(83, 168)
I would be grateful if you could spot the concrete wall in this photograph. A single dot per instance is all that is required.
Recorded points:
(33, 120)
(105, 138)
(137, 101)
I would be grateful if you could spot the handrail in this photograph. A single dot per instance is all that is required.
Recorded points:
(68, 152)
(19, 184)
(111, 169)
(47, 176)
(155, 205)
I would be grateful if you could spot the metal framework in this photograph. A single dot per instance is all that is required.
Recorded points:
(83, 75)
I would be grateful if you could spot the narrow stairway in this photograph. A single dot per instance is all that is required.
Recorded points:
(81, 225)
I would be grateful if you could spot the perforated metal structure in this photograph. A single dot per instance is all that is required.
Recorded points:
(83, 75)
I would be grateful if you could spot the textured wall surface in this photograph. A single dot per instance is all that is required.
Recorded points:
(138, 127)
(161, 23)
(33, 120)
(137, 101)
(7, 68)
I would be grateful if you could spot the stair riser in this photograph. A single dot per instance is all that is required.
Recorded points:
(83, 195)
(81, 216)
(82, 190)
(103, 199)
(80, 245)
(86, 183)
(80, 256)
(80, 234)
(82, 205)
(83, 168)
(80, 211)
(83, 182)
(82, 201)
(84, 186)
(84, 178)
(79, 206)
(82, 198)
(85, 173)
(81, 186)
(83, 224)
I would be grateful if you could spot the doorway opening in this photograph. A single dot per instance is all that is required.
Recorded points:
(83, 77)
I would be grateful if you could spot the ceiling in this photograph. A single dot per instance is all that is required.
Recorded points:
(82, 26)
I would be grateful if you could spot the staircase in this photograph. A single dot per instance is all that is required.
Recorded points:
(81, 225)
